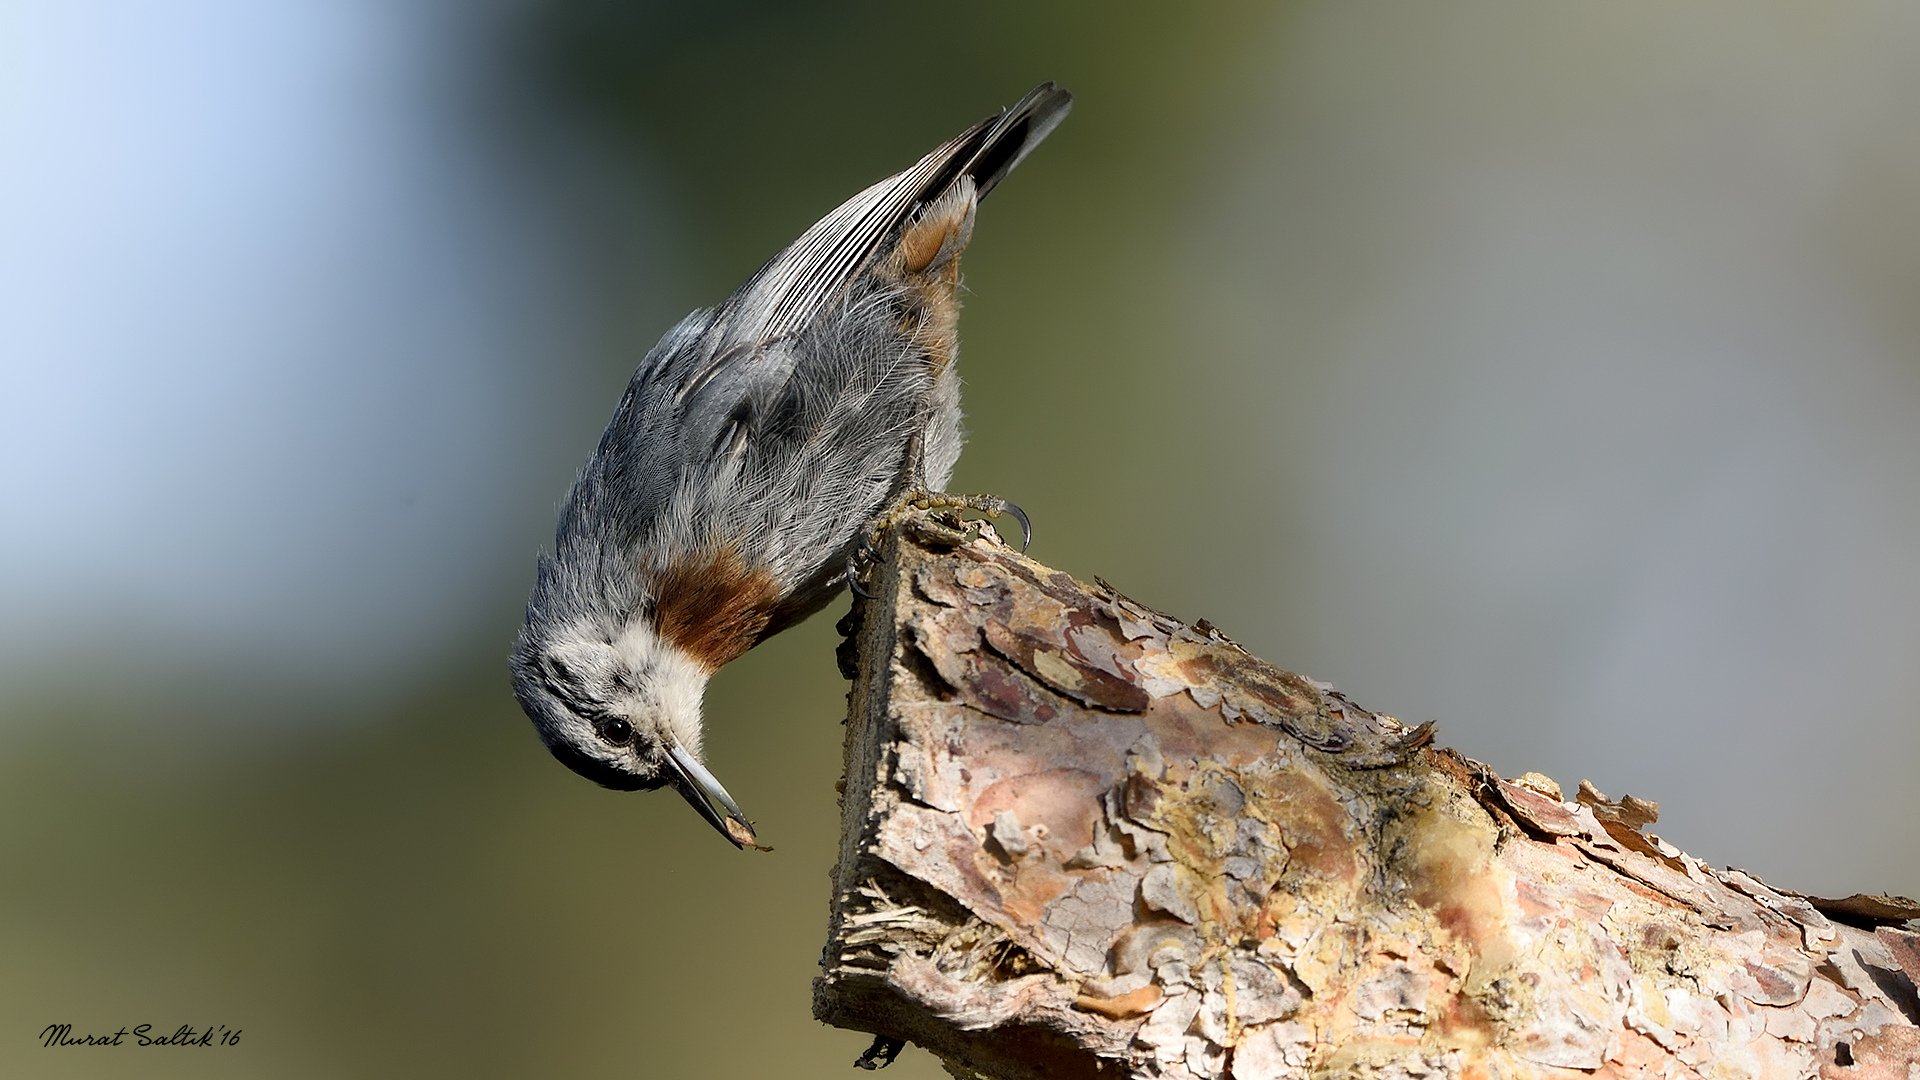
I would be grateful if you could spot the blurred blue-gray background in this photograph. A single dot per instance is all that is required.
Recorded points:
(1552, 372)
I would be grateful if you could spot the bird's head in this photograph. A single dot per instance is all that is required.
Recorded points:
(621, 707)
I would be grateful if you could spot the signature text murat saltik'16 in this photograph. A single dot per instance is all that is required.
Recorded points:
(186, 1035)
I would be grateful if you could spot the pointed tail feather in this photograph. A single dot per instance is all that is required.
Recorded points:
(797, 284)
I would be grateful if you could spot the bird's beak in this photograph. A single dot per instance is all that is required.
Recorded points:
(704, 791)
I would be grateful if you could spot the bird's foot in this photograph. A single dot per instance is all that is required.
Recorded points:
(942, 510)
(881, 1054)
(857, 561)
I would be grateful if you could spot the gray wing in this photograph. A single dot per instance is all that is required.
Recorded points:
(794, 394)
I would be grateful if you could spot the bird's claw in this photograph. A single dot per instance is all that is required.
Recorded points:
(991, 505)
(1026, 525)
(881, 1053)
(853, 571)
(998, 507)
(864, 553)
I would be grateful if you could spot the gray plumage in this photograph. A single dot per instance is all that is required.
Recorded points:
(751, 449)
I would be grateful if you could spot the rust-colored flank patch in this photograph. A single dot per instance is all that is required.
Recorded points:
(713, 606)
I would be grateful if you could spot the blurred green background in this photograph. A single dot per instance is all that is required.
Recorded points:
(1548, 371)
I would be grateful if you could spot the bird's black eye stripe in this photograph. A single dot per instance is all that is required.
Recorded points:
(616, 731)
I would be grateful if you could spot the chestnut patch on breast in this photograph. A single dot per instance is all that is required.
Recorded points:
(713, 605)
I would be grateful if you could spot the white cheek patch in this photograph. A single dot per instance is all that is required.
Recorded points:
(670, 684)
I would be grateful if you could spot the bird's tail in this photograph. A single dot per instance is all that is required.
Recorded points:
(990, 149)
(811, 274)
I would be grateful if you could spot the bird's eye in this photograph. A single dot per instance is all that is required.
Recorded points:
(616, 731)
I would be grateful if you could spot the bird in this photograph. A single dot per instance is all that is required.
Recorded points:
(749, 461)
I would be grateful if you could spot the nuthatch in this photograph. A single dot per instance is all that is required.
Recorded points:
(741, 473)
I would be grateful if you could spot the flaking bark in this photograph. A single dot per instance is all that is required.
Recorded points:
(1084, 839)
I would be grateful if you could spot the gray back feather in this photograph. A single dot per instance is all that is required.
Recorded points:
(782, 420)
